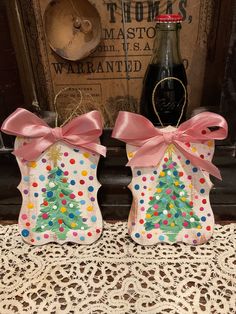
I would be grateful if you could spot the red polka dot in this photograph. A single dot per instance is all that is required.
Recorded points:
(27, 224)
(66, 173)
(204, 201)
(82, 182)
(48, 168)
(201, 209)
(72, 196)
(65, 154)
(144, 179)
(187, 144)
(155, 213)
(46, 236)
(202, 156)
(208, 228)
(151, 198)
(80, 193)
(203, 132)
(166, 159)
(191, 204)
(202, 180)
(165, 222)
(64, 180)
(63, 202)
(141, 221)
(32, 240)
(185, 224)
(191, 213)
(181, 174)
(60, 221)
(61, 229)
(72, 161)
(90, 234)
(169, 215)
(98, 230)
(190, 177)
(35, 184)
(45, 216)
(149, 235)
(45, 203)
(61, 195)
(142, 194)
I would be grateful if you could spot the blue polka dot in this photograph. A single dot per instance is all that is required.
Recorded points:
(82, 202)
(71, 215)
(137, 235)
(75, 172)
(198, 234)
(77, 212)
(72, 182)
(163, 200)
(50, 223)
(59, 172)
(139, 173)
(33, 216)
(49, 194)
(82, 238)
(175, 173)
(38, 238)
(25, 233)
(81, 162)
(161, 183)
(136, 187)
(155, 172)
(36, 194)
(187, 162)
(93, 166)
(161, 238)
(176, 215)
(26, 179)
(90, 188)
(41, 178)
(182, 186)
(93, 218)
(195, 169)
(203, 218)
(142, 201)
(202, 191)
(181, 205)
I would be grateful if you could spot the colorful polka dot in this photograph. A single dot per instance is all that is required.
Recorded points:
(90, 188)
(49, 194)
(90, 208)
(72, 182)
(82, 238)
(161, 238)
(86, 155)
(137, 187)
(26, 179)
(93, 166)
(137, 235)
(42, 178)
(81, 162)
(149, 235)
(25, 233)
(187, 162)
(195, 169)
(93, 218)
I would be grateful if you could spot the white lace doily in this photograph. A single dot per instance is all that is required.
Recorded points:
(115, 275)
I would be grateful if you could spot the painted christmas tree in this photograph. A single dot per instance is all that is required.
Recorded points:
(170, 208)
(59, 212)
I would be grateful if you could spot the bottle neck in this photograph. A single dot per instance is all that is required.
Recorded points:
(166, 45)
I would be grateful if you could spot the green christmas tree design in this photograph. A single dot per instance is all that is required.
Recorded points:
(170, 208)
(59, 212)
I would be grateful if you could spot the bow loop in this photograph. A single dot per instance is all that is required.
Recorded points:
(153, 142)
(82, 131)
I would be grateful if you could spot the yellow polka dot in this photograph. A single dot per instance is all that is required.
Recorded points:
(30, 205)
(73, 225)
(90, 208)
(171, 206)
(162, 174)
(63, 209)
(190, 186)
(199, 227)
(84, 173)
(149, 189)
(176, 183)
(130, 155)
(210, 144)
(194, 149)
(148, 216)
(159, 190)
(183, 199)
(32, 164)
(143, 232)
(86, 155)
(172, 224)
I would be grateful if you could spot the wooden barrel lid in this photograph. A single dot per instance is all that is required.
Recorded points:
(73, 28)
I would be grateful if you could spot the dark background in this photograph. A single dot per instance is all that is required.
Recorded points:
(219, 96)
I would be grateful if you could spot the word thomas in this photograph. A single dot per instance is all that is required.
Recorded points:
(143, 10)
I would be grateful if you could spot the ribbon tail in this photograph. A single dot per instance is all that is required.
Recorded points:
(95, 148)
(148, 156)
(199, 162)
(31, 151)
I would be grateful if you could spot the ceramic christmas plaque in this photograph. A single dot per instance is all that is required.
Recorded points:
(170, 183)
(59, 183)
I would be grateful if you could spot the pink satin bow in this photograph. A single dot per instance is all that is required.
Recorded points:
(136, 130)
(83, 131)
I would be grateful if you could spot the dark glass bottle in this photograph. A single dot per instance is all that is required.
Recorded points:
(161, 92)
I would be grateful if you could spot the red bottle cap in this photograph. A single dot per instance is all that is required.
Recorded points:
(169, 18)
